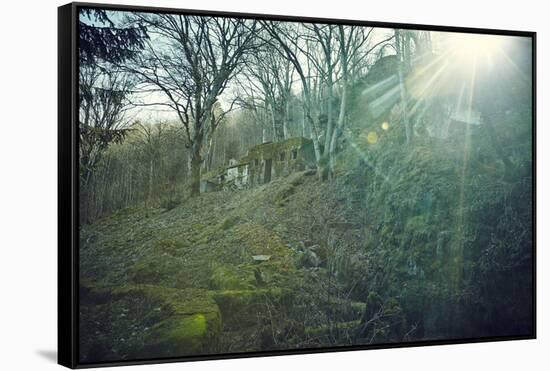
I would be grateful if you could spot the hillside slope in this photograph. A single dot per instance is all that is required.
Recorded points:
(222, 272)
(403, 244)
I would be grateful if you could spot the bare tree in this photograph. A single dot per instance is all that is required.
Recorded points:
(191, 62)
(266, 89)
(150, 141)
(329, 55)
(325, 63)
(354, 48)
(290, 43)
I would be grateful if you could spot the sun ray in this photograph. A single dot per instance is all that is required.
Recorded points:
(524, 77)
(366, 159)
(427, 85)
(456, 108)
(389, 81)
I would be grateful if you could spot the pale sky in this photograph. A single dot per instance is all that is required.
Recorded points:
(458, 41)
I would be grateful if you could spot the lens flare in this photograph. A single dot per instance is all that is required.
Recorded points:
(372, 137)
(467, 49)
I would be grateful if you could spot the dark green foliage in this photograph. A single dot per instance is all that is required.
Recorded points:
(107, 42)
(104, 92)
(449, 225)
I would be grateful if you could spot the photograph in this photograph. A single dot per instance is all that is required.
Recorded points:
(261, 185)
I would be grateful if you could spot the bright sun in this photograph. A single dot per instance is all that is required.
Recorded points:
(473, 48)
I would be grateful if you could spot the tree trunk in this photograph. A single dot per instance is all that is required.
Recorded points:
(195, 169)
(280, 123)
(150, 193)
(339, 126)
(402, 87)
(212, 153)
(278, 113)
(305, 132)
(329, 129)
(316, 146)
(286, 120)
(273, 125)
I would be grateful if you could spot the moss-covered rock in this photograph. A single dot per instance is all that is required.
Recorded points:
(184, 334)
(191, 321)
(158, 269)
(148, 321)
(244, 308)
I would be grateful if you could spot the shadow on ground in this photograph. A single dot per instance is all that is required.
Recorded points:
(50, 355)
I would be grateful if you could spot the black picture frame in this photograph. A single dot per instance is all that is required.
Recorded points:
(68, 187)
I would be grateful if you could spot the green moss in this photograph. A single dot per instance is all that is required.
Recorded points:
(146, 271)
(190, 319)
(269, 150)
(230, 222)
(184, 335)
(152, 321)
(172, 246)
(233, 278)
(243, 308)
(357, 307)
(190, 327)
(260, 241)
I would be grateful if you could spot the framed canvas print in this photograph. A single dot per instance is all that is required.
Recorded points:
(235, 185)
